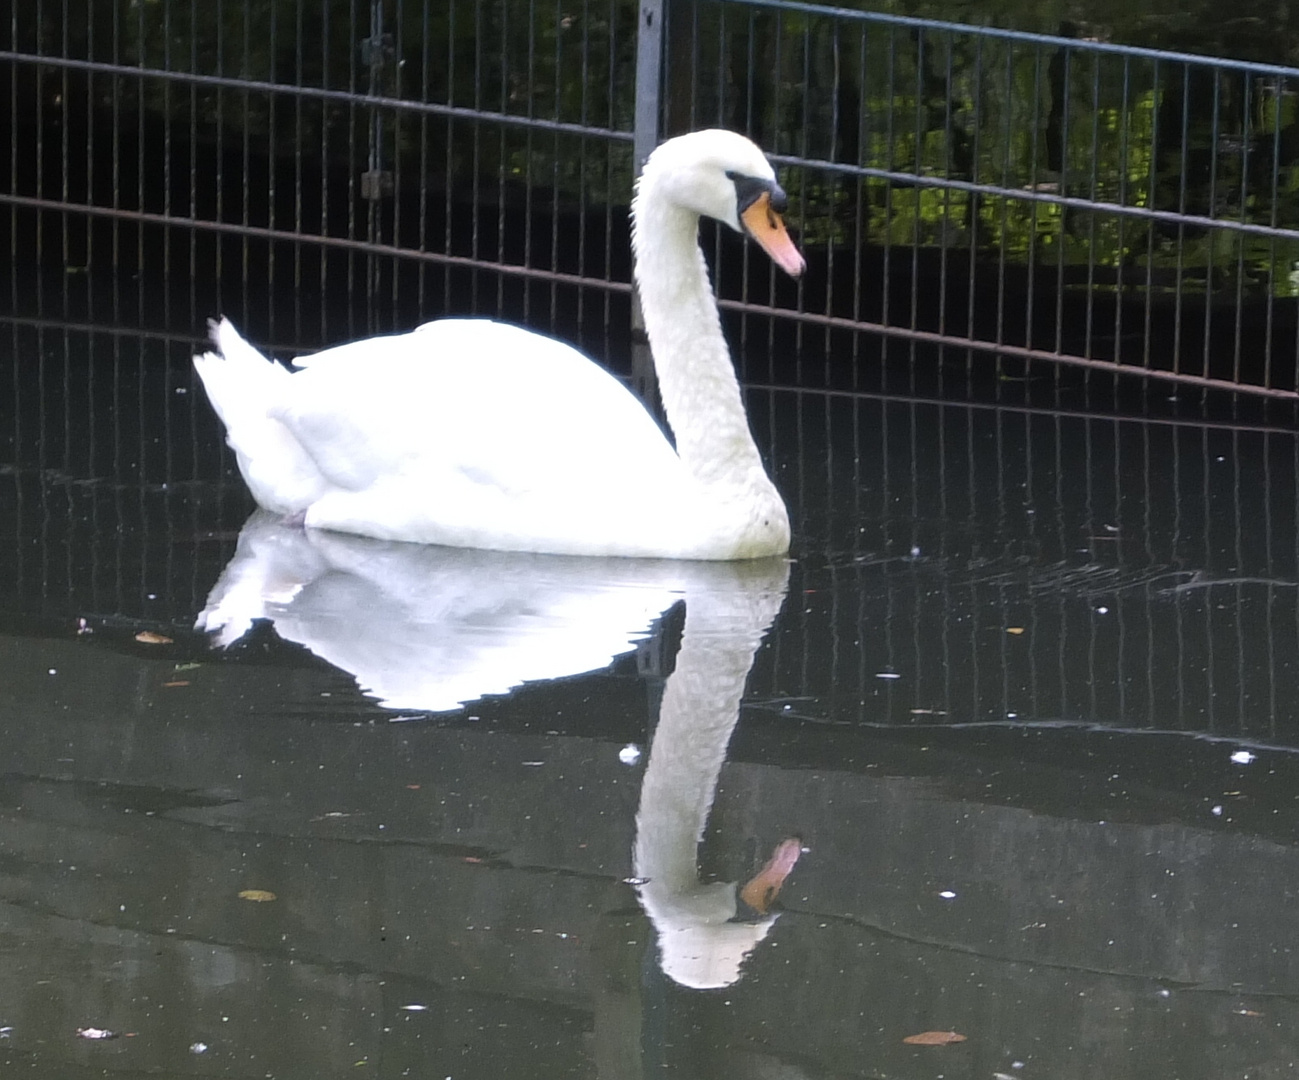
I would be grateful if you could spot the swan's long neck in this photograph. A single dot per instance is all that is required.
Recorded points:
(696, 378)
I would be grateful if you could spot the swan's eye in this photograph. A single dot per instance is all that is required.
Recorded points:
(749, 189)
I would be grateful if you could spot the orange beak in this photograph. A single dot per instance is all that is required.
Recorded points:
(768, 229)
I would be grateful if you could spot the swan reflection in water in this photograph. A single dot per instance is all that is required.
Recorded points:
(434, 628)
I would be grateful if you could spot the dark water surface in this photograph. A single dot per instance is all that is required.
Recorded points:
(1028, 703)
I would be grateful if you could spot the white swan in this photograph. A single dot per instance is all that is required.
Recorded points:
(474, 433)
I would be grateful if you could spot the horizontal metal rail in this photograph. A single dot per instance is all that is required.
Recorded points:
(745, 307)
(1019, 352)
(1026, 37)
(261, 232)
(1072, 202)
(316, 93)
(191, 341)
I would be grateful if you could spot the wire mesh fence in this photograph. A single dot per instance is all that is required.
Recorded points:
(1052, 202)
(989, 217)
(957, 564)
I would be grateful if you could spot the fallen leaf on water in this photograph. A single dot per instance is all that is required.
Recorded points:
(928, 712)
(1246, 1012)
(96, 1033)
(412, 787)
(177, 682)
(765, 887)
(186, 667)
(260, 896)
(934, 1038)
(148, 637)
(1014, 629)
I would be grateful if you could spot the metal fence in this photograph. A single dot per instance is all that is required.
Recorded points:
(1045, 224)
(1020, 205)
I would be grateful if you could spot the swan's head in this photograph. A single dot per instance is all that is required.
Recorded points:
(722, 175)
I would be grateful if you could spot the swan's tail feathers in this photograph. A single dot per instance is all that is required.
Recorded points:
(245, 388)
(238, 379)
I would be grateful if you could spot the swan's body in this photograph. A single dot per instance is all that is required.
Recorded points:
(473, 433)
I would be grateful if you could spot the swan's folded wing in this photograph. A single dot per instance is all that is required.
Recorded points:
(477, 402)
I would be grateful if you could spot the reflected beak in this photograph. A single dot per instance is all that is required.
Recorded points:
(761, 892)
(768, 229)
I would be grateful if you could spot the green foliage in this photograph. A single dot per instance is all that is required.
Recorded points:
(1033, 121)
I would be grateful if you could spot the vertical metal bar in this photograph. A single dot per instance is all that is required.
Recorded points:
(1031, 269)
(396, 89)
(324, 263)
(749, 82)
(193, 185)
(582, 169)
(557, 147)
(65, 220)
(530, 111)
(374, 160)
(649, 72)
(861, 207)
(352, 57)
(1269, 343)
(1093, 193)
(245, 187)
(421, 273)
(975, 210)
(299, 78)
(1120, 262)
(1008, 100)
(804, 190)
(945, 222)
(1181, 208)
(271, 164)
(167, 144)
(1064, 212)
(918, 165)
(1152, 179)
(449, 153)
(1215, 144)
(889, 163)
(503, 152)
(778, 67)
(645, 135)
(1245, 140)
(611, 99)
(833, 189)
(141, 39)
(475, 236)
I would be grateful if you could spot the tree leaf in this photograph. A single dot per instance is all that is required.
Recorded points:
(934, 1038)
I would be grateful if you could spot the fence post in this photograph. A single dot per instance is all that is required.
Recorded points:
(649, 74)
(645, 131)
